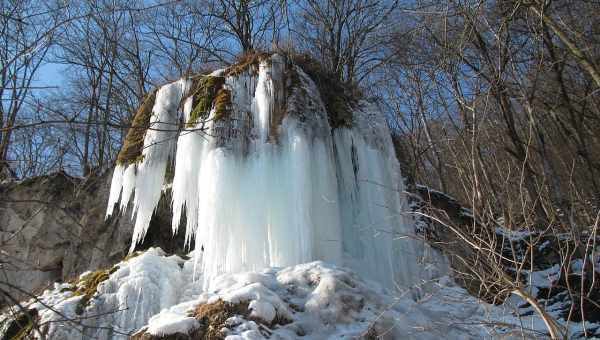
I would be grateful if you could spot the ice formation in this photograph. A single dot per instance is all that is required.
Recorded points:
(154, 294)
(273, 184)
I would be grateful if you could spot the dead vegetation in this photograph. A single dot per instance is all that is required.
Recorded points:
(214, 315)
(133, 145)
(87, 286)
(222, 104)
(21, 326)
(213, 319)
(132, 255)
(248, 61)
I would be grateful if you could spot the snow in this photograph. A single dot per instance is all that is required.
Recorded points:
(167, 322)
(333, 303)
(513, 235)
(155, 293)
(273, 185)
(140, 288)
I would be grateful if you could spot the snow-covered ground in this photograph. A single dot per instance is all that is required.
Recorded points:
(155, 294)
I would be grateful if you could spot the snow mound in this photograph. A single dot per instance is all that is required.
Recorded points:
(317, 300)
(153, 296)
(135, 290)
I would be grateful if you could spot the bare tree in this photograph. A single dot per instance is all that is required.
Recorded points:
(107, 48)
(251, 25)
(347, 35)
(26, 34)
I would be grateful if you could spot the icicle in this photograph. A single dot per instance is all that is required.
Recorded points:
(159, 144)
(115, 189)
(185, 189)
(264, 93)
(128, 186)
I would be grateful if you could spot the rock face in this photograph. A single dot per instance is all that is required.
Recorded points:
(52, 228)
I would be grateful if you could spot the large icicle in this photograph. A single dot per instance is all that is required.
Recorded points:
(145, 179)
(158, 147)
(192, 141)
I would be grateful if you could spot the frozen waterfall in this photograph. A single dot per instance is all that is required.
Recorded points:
(272, 184)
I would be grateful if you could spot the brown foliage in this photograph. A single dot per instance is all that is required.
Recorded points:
(131, 152)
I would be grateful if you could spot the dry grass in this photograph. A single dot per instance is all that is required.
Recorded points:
(88, 285)
(132, 255)
(247, 62)
(213, 316)
(131, 152)
(21, 326)
(222, 103)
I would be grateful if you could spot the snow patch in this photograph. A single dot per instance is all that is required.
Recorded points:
(167, 322)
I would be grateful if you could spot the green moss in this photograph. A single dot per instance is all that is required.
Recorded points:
(205, 90)
(131, 152)
(87, 286)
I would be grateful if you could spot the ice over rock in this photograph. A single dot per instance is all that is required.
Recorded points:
(272, 184)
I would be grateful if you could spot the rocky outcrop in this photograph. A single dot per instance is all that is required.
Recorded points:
(53, 228)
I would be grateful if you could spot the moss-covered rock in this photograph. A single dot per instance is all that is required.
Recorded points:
(213, 319)
(87, 286)
(131, 152)
(339, 98)
(205, 90)
(210, 93)
(222, 104)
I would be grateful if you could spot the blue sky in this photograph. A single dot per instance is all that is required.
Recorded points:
(50, 74)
